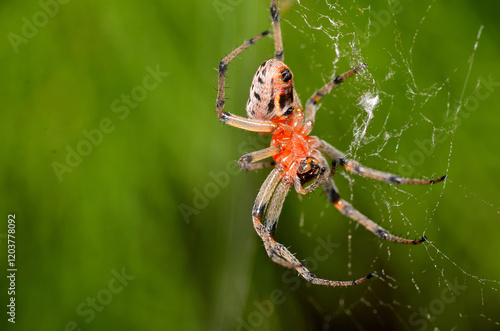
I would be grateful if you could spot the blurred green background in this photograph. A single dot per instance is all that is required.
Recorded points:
(130, 214)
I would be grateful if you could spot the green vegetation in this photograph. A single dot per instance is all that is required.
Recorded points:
(131, 213)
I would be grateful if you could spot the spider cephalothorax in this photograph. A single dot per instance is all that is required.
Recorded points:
(298, 159)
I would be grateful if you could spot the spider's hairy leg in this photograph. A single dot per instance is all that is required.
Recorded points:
(359, 169)
(312, 102)
(275, 191)
(278, 42)
(259, 165)
(228, 118)
(261, 202)
(249, 161)
(274, 211)
(348, 210)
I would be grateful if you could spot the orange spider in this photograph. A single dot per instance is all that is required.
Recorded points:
(274, 107)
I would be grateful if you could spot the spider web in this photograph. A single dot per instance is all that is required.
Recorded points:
(391, 117)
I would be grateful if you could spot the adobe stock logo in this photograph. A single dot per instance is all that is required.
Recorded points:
(92, 305)
(38, 20)
(426, 147)
(264, 309)
(94, 137)
(218, 181)
(437, 306)
(379, 19)
(223, 6)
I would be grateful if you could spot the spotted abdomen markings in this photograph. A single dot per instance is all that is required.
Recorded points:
(271, 92)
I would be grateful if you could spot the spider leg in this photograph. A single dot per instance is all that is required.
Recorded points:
(348, 210)
(249, 161)
(271, 196)
(273, 249)
(260, 165)
(278, 42)
(228, 118)
(359, 169)
(312, 102)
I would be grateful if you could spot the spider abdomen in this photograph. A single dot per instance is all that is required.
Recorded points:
(271, 92)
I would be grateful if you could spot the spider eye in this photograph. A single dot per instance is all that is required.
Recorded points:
(308, 170)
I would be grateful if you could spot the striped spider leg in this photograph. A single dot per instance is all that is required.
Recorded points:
(347, 209)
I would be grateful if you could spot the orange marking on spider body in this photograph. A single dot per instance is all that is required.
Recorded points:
(339, 205)
(348, 167)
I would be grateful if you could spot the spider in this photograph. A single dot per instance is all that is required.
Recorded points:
(298, 158)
